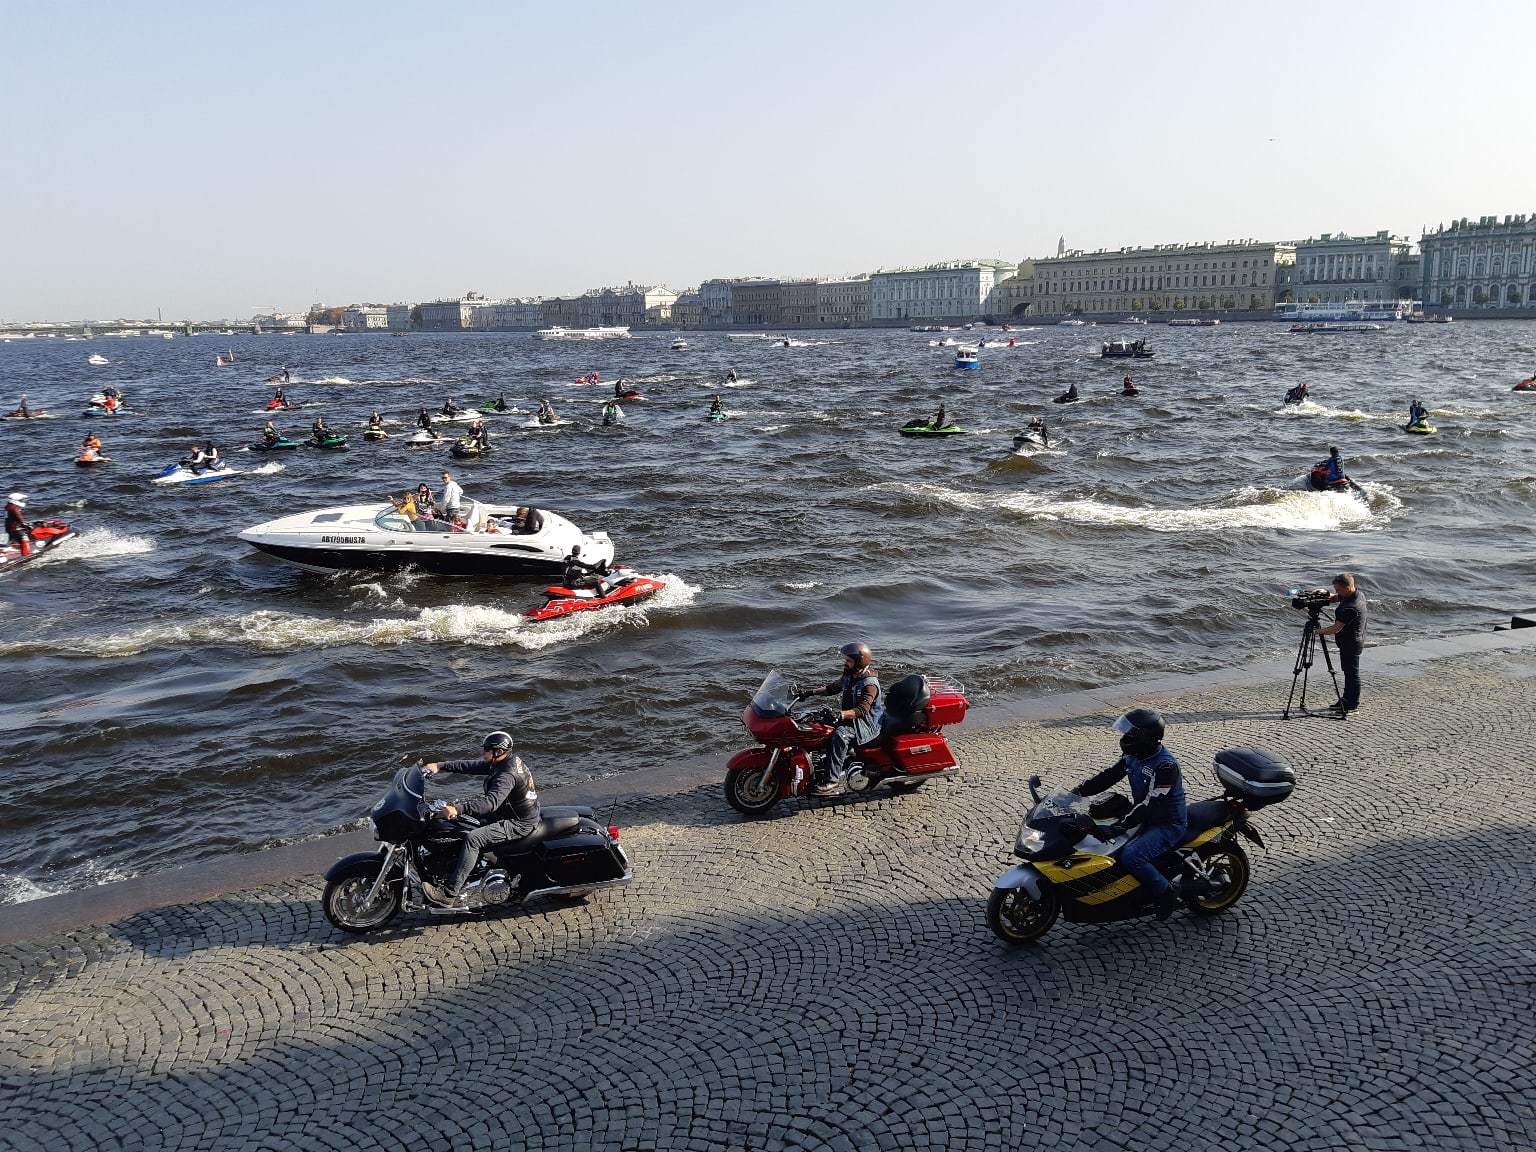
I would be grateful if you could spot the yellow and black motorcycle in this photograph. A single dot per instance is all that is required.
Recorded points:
(1067, 870)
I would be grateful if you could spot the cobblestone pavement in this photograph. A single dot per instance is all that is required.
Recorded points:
(826, 979)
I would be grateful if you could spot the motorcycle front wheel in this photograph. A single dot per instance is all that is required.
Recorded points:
(346, 906)
(751, 789)
(1018, 918)
(1228, 865)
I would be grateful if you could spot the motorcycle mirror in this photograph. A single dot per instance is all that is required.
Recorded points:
(1034, 788)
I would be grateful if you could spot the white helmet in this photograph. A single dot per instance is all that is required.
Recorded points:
(18, 498)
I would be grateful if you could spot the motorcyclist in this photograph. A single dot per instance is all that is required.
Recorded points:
(857, 721)
(507, 808)
(17, 531)
(1158, 807)
(1417, 413)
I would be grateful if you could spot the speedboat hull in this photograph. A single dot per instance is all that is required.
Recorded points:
(375, 538)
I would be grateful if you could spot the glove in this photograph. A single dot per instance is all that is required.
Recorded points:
(830, 716)
(1110, 832)
(797, 692)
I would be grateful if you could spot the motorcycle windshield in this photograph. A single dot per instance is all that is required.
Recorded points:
(405, 798)
(1056, 806)
(773, 697)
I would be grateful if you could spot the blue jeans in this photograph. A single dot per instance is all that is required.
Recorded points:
(845, 738)
(1137, 857)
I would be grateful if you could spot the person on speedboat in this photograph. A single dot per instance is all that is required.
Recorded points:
(18, 532)
(1417, 413)
(270, 434)
(1297, 394)
(507, 808)
(1158, 807)
(858, 718)
(1127, 388)
(546, 412)
(425, 508)
(717, 407)
(452, 498)
(406, 505)
(527, 521)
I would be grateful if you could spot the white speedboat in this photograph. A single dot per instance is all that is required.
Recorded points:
(1071, 323)
(375, 537)
(617, 332)
(679, 345)
(97, 359)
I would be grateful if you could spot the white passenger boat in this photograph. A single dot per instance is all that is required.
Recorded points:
(376, 537)
(618, 332)
(1349, 311)
(97, 359)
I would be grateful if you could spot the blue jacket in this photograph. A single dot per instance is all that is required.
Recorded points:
(1157, 789)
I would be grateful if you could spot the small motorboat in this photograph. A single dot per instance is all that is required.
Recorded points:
(180, 473)
(926, 428)
(378, 538)
(281, 444)
(1125, 350)
(97, 359)
(967, 358)
(623, 588)
(46, 535)
(679, 345)
(89, 456)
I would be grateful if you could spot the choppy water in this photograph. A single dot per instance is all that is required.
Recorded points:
(169, 694)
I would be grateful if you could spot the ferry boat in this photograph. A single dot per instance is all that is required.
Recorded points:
(1350, 311)
(1200, 322)
(620, 332)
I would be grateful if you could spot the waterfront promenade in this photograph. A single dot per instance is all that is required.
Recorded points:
(825, 979)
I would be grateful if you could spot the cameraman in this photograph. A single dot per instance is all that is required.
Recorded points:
(1349, 629)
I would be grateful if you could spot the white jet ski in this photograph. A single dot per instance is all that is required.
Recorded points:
(1026, 443)
(423, 439)
(179, 473)
(376, 537)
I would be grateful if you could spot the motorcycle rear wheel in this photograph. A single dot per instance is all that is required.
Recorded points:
(1016, 918)
(751, 789)
(343, 903)
(1227, 859)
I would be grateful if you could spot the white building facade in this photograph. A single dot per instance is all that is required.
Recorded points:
(1239, 274)
(1335, 268)
(952, 291)
(1487, 264)
(451, 315)
(843, 303)
(509, 315)
(365, 318)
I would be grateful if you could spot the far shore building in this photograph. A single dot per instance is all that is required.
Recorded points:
(757, 304)
(842, 303)
(797, 303)
(715, 300)
(1237, 275)
(629, 306)
(1488, 264)
(688, 309)
(281, 322)
(365, 318)
(957, 290)
(516, 315)
(1335, 268)
(457, 315)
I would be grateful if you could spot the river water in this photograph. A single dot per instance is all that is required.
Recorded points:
(171, 694)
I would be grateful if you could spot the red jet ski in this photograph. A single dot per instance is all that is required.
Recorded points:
(1526, 385)
(564, 601)
(630, 394)
(45, 534)
(1318, 481)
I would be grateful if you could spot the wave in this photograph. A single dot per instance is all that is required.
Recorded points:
(16, 889)
(477, 625)
(1280, 508)
(1313, 408)
(98, 544)
(269, 468)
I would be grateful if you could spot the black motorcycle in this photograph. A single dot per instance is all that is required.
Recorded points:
(569, 855)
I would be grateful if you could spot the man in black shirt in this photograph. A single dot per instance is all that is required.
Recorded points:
(507, 808)
(1348, 629)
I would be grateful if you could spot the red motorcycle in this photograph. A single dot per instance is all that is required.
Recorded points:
(909, 751)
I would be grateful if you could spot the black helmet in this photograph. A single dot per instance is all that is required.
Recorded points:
(498, 742)
(1141, 731)
(858, 653)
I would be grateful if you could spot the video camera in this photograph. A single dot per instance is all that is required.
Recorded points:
(1312, 600)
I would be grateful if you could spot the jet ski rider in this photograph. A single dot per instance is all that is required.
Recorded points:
(501, 403)
(450, 408)
(717, 407)
(17, 531)
(270, 434)
(279, 398)
(579, 574)
(938, 417)
(424, 420)
(375, 422)
(1158, 809)
(1127, 388)
(318, 429)
(197, 461)
(1417, 413)
(546, 412)
(507, 808)
(858, 718)
(1333, 467)
(1297, 394)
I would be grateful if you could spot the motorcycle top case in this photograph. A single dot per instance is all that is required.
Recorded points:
(920, 752)
(1255, 777)
(945, 707)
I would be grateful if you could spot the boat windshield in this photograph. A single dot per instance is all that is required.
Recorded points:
(392, 521)
(773, 696)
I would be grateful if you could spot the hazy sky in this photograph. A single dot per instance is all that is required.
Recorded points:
(218, 159)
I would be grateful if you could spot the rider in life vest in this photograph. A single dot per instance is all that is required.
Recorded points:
(17, 531)
(860, 710)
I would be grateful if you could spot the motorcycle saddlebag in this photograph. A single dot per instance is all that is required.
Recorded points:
(919, 752)
(1255, 777)
(582, 858)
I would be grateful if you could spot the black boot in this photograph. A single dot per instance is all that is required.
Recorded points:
(1166, 903)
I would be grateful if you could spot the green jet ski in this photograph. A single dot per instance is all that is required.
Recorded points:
(490, 406)
(926, 428)
(281, 444)
(333, 442)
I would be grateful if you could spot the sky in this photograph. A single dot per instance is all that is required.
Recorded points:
(219, 159)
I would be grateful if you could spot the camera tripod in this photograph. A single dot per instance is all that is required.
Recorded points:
(1311, 639)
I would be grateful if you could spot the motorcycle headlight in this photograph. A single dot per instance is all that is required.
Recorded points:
(1029, 842)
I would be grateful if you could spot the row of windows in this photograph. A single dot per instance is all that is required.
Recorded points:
(1196, 266)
